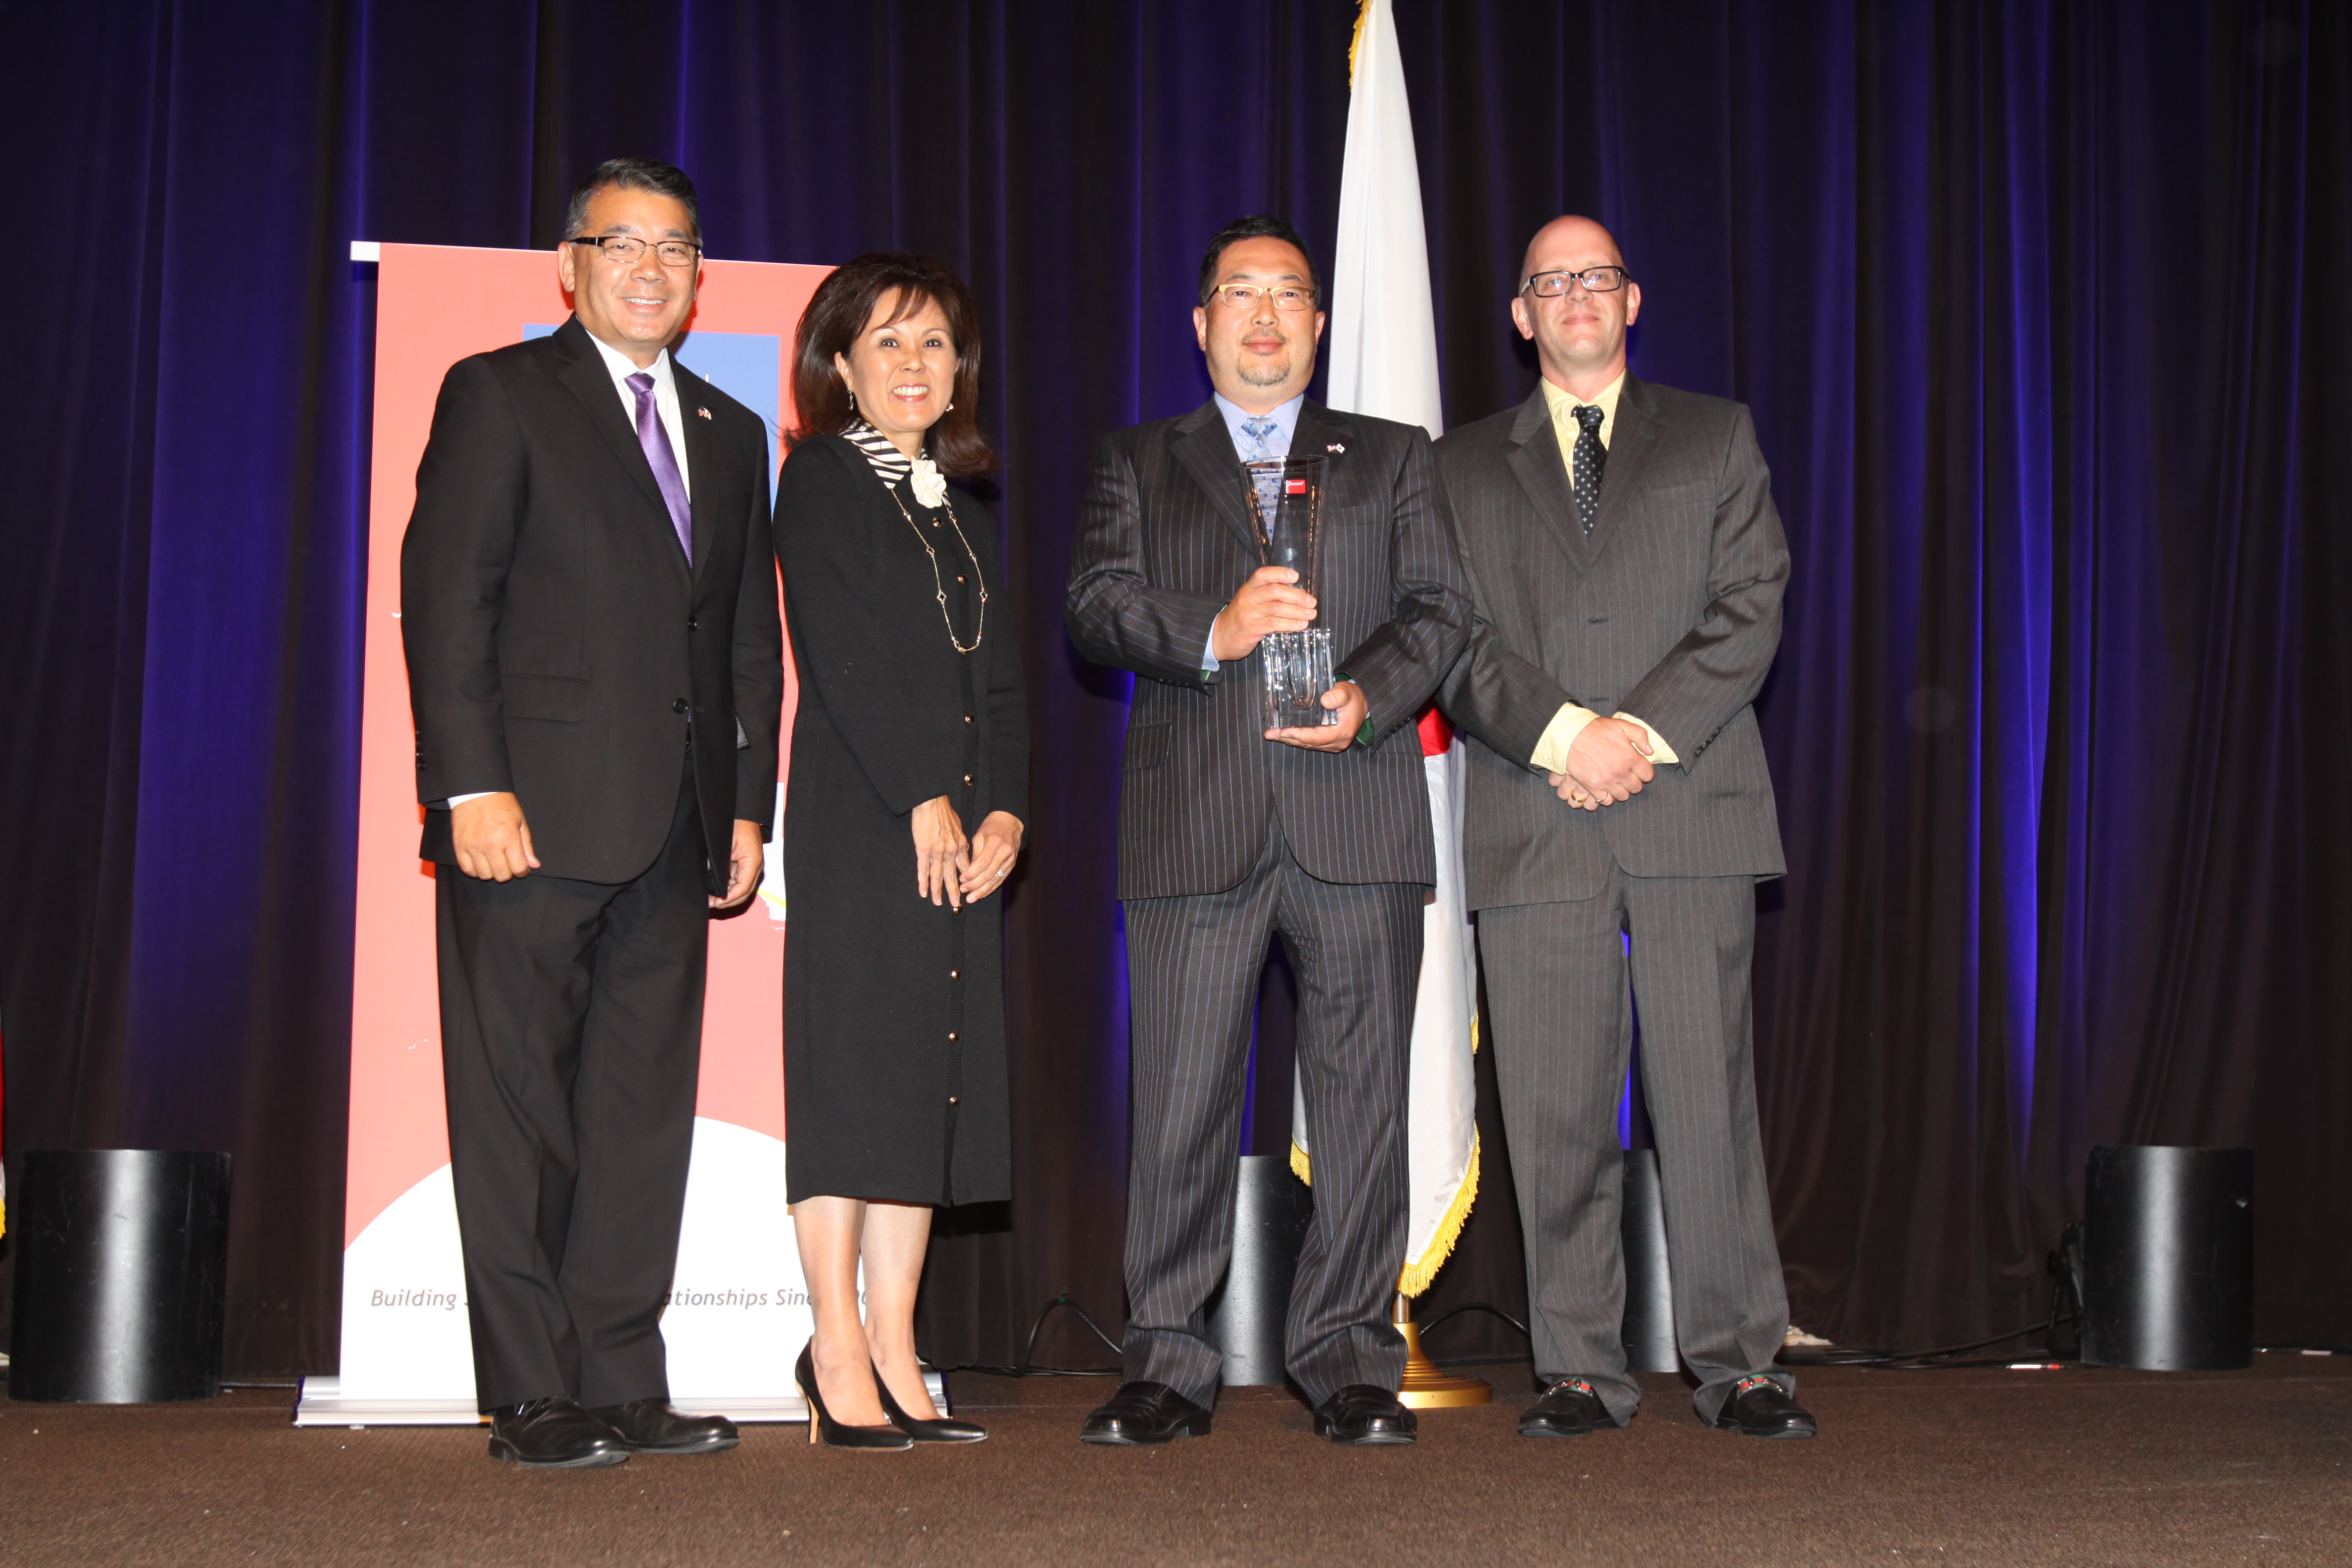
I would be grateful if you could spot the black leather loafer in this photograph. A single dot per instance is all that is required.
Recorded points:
(1364, 1417)
(1758, 1408)
(1141, 1412)
(1569, 1408)
(654, 1426)
(553, 1435)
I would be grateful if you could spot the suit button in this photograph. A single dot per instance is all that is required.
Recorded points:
(951, 1099)
(678, 705)
(967, 778)
(967, 718)
(691, 624)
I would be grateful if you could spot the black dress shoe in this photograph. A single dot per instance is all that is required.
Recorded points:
(1364, 1417)
(651, 1427)
(1569, 1408)
(553, 1435)
(1143, 1413)
(940, 1430)
(1758, 1408)
(884, 1438)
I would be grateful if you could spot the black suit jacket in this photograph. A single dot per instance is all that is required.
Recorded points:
(1670, 611)
(1164, 540)
(559, 644)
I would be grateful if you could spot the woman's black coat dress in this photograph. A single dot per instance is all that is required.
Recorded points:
(894, 1010)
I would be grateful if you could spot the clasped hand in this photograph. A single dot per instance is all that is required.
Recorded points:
(1608, 764)
(952, 869)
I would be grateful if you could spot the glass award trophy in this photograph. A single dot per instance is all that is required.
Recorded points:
(1285, 495)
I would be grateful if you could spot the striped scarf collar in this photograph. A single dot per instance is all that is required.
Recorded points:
(889, 464)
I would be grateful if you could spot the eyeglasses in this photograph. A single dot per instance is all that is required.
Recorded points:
(1241, 296)
(625, 251)
(1596, 280)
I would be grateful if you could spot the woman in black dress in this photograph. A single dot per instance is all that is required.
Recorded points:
(909, 786)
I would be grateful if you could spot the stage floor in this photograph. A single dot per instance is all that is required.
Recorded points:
(2068, 1468)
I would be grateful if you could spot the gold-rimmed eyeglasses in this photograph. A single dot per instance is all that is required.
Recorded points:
(1241, 296)
(1596, 280)
(624, 250)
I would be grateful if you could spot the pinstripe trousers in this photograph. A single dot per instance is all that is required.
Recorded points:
(1557, 976)
(1193, 963)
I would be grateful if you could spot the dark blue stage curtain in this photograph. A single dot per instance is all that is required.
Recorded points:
(2039, 309)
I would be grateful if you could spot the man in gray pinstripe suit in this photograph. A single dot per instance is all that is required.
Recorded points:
(1627, 563)
(1230, 832)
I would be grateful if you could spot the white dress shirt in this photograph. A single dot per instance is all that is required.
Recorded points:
(672, 417)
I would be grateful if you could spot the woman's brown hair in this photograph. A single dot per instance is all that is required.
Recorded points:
(838, 312)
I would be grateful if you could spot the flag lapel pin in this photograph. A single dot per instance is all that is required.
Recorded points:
(704, 412)
(1335, 447)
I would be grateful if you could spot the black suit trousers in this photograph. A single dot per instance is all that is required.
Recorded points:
(571, 1039)
(1193, 963)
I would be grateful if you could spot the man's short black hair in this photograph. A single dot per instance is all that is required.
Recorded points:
(1263, 226)
(634, 174)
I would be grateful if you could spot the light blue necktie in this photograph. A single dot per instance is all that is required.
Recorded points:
(1261, 431)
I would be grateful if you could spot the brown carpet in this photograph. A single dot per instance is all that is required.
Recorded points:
(2070, 1467)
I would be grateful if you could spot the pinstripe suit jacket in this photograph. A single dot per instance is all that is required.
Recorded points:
(1164, 539)
(1671, 610)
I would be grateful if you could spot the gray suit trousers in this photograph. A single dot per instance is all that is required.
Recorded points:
(1557, 976)
(1193, 963)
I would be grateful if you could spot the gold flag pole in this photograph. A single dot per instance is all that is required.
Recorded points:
(1425, 1388)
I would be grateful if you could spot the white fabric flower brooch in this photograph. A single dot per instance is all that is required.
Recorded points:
(930, 485)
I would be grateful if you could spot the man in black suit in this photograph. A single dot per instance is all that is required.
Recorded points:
(1230, 831)
(588, 601)
(1628, 564)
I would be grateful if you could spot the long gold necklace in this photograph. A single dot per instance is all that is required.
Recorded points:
(939, 584)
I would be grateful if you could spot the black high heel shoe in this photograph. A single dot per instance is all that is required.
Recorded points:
(935, 1431)
(823, 1426)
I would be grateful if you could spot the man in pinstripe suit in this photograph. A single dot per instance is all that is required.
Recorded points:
(1627, 564)
(1230, 831)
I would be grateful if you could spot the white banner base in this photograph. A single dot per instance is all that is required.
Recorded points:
(322, 1404)
(737, 1319)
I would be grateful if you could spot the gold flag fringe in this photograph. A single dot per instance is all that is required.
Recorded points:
(1356, 41)
(1419, 1273)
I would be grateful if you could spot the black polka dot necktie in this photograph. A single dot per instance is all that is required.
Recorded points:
(1587, 464)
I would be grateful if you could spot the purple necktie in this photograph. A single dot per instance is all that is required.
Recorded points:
(656, 441)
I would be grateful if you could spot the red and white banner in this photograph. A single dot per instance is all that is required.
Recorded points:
(738, 1312)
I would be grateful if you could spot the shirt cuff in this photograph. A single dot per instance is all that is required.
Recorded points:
(1209, 662)
(1551, 750)
(458, 800)
(1659, 751)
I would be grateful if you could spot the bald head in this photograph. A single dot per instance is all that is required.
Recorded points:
(1569, 243)
(1580, 334)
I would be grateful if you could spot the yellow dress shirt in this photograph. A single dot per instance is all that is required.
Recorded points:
(1551, 750)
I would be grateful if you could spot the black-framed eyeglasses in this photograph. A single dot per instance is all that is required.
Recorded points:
(1596, 280)
(1241, 296)
(625, 249)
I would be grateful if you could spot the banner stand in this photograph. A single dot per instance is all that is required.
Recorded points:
(738, 1312)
